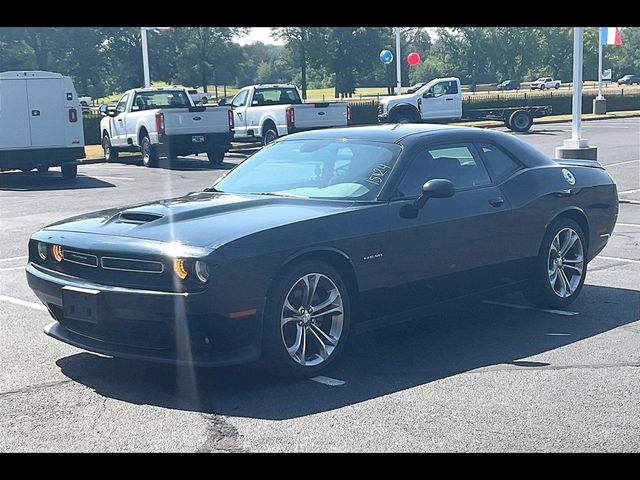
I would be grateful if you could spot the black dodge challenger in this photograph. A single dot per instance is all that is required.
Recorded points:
(321, 235)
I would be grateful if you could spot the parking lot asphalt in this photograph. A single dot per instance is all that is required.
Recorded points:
(503, 376)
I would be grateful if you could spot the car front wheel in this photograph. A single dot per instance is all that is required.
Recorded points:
(560, 268)
(307, 320)
(110, 153)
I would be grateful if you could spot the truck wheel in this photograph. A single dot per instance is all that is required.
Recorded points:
(69, 171)
(204, 100)
(149, 153)
(507, 123)
(520, 121)
(543, 86)
(110, 153)
(557, 86)
(269, 136)
(215, 155)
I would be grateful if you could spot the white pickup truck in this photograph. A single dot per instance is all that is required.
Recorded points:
(545, 82)
(163, 121)
(199, 97)
(440, 100)
(266, 112)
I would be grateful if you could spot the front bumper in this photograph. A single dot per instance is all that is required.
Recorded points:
(167, 327)
(383, 118)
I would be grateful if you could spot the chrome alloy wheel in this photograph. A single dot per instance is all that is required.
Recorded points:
(312, 319)
(565, 262)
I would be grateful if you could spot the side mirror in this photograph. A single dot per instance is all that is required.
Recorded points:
(436, 188)
(103, 109)
(135, 108)
(222, 101)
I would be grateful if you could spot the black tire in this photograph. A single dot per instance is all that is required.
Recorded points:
(404, 116)
(539, 290)
(507, 123)
(269, 135)
(111, 153)
(275, 356)
(69, 171)
(216, 155)
(543, 86)
(204, 100)
(149, 153)
(520, 121)
(43, 168)
(557, 86)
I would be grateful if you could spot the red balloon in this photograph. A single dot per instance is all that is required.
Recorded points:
(413, 59)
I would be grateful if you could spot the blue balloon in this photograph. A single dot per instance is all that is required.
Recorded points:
(386, 57)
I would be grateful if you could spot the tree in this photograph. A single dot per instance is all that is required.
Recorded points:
(300, 40)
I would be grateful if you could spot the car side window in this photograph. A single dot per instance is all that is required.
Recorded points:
(444, 88)
(456, 162)
(122, 104)
(240, 99)
(500, 164)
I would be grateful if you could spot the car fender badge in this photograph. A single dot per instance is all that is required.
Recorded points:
(568, 176)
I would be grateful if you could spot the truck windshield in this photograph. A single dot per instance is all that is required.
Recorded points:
(331, 169)
(161, 99)
(275, 96)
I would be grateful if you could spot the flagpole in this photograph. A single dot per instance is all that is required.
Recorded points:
(599, 63)
(398, 64)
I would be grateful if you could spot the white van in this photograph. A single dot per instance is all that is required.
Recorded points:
(40, 122)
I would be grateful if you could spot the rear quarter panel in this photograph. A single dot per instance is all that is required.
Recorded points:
(539, 195)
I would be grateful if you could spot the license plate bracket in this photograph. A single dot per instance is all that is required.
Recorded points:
(80, 304)
(197, 138)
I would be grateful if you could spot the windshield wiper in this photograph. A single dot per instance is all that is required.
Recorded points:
(212, 189)
(281, 194)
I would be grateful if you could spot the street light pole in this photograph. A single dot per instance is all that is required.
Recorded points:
(599, 63)
(145, 56)
(398, 64)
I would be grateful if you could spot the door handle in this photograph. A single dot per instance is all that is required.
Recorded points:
(496, 202)
(448, 99)
(120, 120)
(239, 114)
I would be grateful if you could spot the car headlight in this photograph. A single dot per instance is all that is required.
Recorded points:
(56, 250)
(202, 271)
(42, 250)
(179, 267)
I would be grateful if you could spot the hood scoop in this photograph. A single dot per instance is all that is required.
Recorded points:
(138, 218)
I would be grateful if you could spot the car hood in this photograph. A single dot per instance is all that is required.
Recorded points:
(201, 219)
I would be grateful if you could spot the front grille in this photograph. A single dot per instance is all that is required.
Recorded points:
(131, 265)
(80, 258)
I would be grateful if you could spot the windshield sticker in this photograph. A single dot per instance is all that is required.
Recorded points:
(378, 173)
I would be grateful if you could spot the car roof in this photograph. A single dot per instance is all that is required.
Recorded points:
(388, 133)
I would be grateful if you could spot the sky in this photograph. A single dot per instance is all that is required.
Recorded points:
(258, 34)
(262, 34)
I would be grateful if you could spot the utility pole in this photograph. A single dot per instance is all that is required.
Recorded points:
(599, 103)
(145, 55)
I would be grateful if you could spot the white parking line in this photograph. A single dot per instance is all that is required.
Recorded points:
(22, 303)
(631, 191)
(526, 307)
(13, 258)
(12, 268)
(332, 382)
(619, 259)
(620, 163)
(628, 224)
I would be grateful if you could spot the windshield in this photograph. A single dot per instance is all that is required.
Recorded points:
(335, 169)
(162, 99)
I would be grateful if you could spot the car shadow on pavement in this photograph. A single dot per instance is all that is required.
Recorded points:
(378, 363)
(18, 182)
(540, 131)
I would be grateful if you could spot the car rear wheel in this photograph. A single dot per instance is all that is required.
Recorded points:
(269, 136)
(520, 121)
(307, 320)
(560, 267)
(110, 153)
(149, 153)
(69, 171)
(557, 86)
(215, 155)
